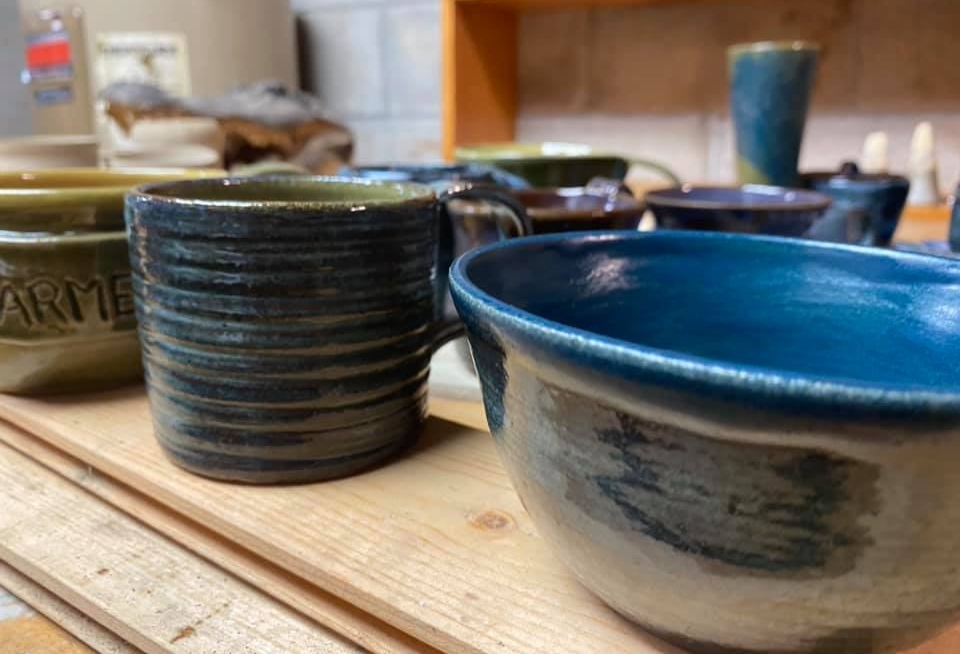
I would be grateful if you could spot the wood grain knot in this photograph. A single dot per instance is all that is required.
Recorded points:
(492, 520)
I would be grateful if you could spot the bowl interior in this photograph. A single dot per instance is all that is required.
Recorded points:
(565, 201)
(737, 197)
(547, 149)
(787, 307)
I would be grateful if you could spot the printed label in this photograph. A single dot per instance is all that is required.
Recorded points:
(156, 58)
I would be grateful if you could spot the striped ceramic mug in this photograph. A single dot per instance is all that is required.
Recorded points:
(287, 323)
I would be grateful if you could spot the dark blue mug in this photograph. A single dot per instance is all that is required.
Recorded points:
(287, 323)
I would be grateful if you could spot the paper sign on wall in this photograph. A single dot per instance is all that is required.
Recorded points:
(157, 58)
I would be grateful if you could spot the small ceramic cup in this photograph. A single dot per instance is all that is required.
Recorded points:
(866, 207)
(770, 87)
(66, 305)
(287, 322)
(750, 209)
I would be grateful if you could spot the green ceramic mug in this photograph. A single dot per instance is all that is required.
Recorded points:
(67, 321)
(552, 165)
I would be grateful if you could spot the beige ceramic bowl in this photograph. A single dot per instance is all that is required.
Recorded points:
(58, 151)
(163, 156)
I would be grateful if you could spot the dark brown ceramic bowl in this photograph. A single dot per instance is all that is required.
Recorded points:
(578, 209)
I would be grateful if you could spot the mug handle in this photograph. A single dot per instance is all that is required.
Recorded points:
(445, 329)
(515, 210)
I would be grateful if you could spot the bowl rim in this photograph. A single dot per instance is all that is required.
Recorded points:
(840, 180)
(795, 45)
(529, 152)
(15, 196)
(403, 193)
(626, 205)
(815, 201)
(701, 371)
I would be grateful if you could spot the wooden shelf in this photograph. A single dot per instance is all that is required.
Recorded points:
(480, 65)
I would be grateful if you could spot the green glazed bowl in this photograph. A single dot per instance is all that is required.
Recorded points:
(67, 320)
(557, 164)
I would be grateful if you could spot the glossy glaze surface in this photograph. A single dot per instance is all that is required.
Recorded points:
(579, 209)
(67, 322)
(770, 86)
(953, 236)
(866, 208)
(439, 176)
(750, 209)
(286, 323)
(744, 444)
(553, 165)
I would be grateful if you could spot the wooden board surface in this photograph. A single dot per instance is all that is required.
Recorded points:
(949, 643)
(293, 591)
(57, 628)
(435, 543)
(134, 581)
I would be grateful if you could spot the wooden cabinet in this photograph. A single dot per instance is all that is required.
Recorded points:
(480, 65)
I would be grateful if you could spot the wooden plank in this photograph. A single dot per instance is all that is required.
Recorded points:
(330, 611)
(35, 634)
(435, 543)
(462, 412)
(134, 581)
(59, 623)
(948, 643)
(479, 74)
(923, 224)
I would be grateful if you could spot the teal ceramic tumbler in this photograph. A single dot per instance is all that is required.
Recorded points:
(770, 85)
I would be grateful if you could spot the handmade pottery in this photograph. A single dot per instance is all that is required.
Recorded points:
(924, 189)
(750, 209)
(744, 444)
(557, 164)
(163, 156)
(600, 205)
(439, 176)
(953, 237)
(866, 207)
(579, 209)
(40, 152)
(875, 157)
(770, 85)
(66, 306)
(287, 322)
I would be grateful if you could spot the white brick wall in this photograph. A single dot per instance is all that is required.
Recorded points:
(377, 64)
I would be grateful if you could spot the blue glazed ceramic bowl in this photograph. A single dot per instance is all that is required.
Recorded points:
(439, 176)
(866, 207)
(749, 209)
(745, 444)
